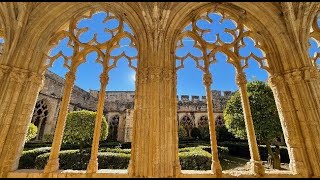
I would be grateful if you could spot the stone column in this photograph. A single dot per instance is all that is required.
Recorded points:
(93, 163)
(305, 104)
(215, 167)
(256, 164)
(53, 162)
(20, 92)
(290, 125)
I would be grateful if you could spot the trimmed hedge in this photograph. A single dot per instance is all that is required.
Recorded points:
(28, 158)
(242, 150)
(72, 159)
(194, 159)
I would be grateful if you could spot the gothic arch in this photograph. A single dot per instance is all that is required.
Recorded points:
(203, 121)
(57, 18)
(113, 127)
(40, 117)
(219, 121)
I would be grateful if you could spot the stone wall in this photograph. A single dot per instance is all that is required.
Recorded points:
(119, 103)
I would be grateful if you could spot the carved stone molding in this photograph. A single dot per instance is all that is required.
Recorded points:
(207, 79)
(3, 70)
(241, 79)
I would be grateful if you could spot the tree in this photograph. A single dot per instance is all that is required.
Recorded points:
(182, 132)
(264, 114)
(32, 132)
(195, 133)
(80, 128)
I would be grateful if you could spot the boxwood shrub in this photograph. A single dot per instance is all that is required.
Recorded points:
(28, 158)
(72, 159)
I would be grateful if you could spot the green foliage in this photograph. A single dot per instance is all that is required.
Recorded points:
(32, 132)
(80, 128)
(47, 138)
(72, 159)
(195, 159)
(263, 109)
(205, 132)
(27, 159)
(195, 133)
(223, 134)
(182, 132)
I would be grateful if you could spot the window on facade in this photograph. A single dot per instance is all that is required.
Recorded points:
(228, 58)
(39, 118)
(97, 52)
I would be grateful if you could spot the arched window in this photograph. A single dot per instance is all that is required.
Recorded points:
(113, 127)
(98, 36)
(314, 42)
(203, 121)
(217, 34)
(40, 116)
(187, 123)
(219, 122)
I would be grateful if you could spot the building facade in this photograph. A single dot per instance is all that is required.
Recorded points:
(281, 30)
(118, 108)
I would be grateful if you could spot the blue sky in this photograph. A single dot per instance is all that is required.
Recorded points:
(122, 78)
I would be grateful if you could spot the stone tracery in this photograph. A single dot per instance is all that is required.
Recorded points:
(209, 41)
(296, 101)
(106, 56)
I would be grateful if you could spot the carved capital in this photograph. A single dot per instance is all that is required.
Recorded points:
(18, 75)
(155, 73)
(241, 79)
(104, 79)
(142, 75)
(311, 73)
(293, 77)
(70, 77)
(3, 70)
(207, 79)
(276, 81)
(36, 78)
(168, 74)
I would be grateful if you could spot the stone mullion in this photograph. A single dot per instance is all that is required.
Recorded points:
(53, 162)
(296, 90)
(292, 134)
(215, 167)
(93, 162)
(256, 164)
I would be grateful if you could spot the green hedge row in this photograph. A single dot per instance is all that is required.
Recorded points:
(195, 158)
(242, 150)
(28, 158)
(72, 159)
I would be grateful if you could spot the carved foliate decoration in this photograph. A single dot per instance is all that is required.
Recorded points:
(83, 39)
(214, 37)
(314, 40)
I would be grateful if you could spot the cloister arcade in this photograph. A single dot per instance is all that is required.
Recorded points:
(280, 31)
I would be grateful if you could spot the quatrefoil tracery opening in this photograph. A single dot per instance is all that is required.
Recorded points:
(100, 32)
(214, 32)
(314, 42)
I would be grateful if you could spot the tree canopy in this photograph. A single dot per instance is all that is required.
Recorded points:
(263, 110)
